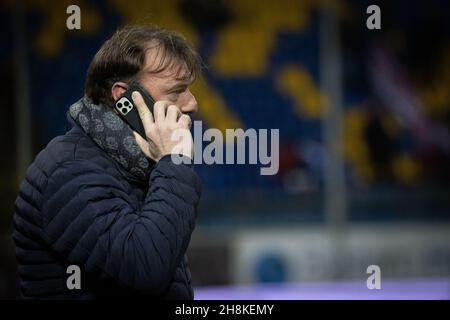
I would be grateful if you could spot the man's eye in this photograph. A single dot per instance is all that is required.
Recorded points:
(179, 90)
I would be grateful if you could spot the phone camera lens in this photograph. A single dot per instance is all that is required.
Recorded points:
(124, 110)
(126, 103)
(119, 105)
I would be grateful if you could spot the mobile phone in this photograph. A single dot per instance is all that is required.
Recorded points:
(128, 111)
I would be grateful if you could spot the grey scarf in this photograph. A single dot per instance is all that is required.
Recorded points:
(112, 135)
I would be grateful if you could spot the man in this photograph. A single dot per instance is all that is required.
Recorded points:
(102, 198)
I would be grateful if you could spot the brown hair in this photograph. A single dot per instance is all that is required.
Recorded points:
(122, 57)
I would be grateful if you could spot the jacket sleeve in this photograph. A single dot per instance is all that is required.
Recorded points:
(90, 220)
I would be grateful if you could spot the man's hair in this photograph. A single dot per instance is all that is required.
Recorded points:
(122, 57)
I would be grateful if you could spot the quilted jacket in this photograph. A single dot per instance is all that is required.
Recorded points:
(77, 206)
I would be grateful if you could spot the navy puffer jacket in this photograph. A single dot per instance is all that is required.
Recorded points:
(77, 206)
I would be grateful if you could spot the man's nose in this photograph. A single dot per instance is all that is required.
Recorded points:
(190, 106)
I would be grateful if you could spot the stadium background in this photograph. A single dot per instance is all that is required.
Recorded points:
(364, 136)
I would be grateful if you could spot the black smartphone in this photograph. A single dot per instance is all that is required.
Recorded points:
(128, 111)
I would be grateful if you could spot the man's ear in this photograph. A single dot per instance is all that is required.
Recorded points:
(117, 89)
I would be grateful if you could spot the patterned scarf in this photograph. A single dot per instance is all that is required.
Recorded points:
(112, 135)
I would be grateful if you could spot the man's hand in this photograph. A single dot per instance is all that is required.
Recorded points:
(167, 130)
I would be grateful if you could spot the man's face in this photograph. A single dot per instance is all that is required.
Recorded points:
(166, 86)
